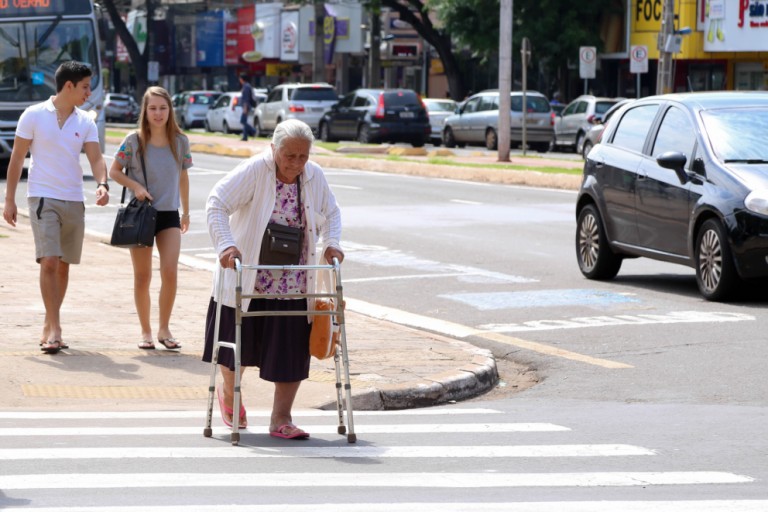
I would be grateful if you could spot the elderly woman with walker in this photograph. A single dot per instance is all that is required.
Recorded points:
(279, 186)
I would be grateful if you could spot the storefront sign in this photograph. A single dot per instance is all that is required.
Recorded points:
(329, 38)
(736, 26)
(289, 36)
(646, 15)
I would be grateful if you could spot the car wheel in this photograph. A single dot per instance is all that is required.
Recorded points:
(595, 257)
(207, 126)
(715, 272)
(448, 139)
(225, 127)
(586, 148)
(491, 140)
(364, 134)
(325, 132)
(579, 142)
(257, 131)
(418, 143)
(540, 147)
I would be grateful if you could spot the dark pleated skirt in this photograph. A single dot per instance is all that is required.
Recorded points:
(277, 345)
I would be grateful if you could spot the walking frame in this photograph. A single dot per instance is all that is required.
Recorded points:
(340, 354)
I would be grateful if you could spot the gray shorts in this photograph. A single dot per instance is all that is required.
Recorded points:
(58, 228)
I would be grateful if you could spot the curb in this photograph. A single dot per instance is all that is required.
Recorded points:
(473, 379)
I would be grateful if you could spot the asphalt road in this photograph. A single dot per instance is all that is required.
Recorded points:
(661, 391)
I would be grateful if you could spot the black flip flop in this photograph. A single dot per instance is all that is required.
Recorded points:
(51, 347)
(62, 345)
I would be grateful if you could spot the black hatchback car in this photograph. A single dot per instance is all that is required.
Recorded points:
(681, 178)
(377, 115)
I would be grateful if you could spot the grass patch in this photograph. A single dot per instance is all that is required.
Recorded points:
(451, 163)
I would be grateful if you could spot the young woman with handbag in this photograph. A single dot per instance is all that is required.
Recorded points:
(166, 155)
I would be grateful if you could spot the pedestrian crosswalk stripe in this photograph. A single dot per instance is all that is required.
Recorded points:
(360, 428)
(264, 413)
(230, 452)
(395, 480)
(534, 506)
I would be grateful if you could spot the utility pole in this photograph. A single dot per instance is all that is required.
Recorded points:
(505, 78)
(374, 51)
(664, 75)
(318, 60)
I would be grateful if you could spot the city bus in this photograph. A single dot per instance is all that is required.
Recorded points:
(35, 37)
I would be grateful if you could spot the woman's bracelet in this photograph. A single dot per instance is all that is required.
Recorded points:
(184, 215)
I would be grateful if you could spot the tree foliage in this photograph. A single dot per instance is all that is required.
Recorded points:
(555, 29)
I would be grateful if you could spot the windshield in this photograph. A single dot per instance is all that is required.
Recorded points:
(30, 52)
(737, 134)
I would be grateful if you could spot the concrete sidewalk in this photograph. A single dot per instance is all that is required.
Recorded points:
(392, 366)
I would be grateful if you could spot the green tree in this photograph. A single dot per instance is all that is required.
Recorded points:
(416, 13)
(139, 60)
(556, 29)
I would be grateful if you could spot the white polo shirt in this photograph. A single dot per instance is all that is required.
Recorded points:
(55, 170)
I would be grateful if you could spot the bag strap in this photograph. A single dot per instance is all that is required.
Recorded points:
(298, 192)
(146, 183)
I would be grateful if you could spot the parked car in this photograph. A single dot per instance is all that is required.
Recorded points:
(477, 121)
(377, 115)
(224, 114)
(193, 107)
(121, 107)
(681, 178)
(307, 102)
(592, 137)
(577, 118)
(438, 109)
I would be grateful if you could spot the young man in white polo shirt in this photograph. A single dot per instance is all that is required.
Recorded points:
(55, 132)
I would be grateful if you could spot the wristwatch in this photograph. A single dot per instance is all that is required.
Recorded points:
(103, 184)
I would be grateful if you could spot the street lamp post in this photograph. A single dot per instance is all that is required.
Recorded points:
(664, 75)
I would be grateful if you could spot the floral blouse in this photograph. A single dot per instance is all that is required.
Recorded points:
(286, 212)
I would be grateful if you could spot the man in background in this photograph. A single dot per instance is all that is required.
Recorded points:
(247, 102)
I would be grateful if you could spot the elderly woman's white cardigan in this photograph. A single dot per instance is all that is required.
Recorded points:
(239, 208)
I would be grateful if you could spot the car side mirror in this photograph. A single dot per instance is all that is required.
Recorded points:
(676, 161)
(699, 167)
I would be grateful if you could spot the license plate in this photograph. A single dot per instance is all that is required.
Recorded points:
(407, 115)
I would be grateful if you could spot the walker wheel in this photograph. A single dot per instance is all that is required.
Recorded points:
(207, 431)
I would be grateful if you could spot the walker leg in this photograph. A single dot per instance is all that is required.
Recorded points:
(351, 437)
(339, 400)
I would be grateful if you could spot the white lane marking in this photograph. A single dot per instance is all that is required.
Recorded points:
(610, 321)
(379, 256)
(266, 413)
(463, 201)
(530, 506)
(395, 480)
(462, 331)
(395, 278)
(255, 452)
(201, 171)
(347, 187)
(436, 428)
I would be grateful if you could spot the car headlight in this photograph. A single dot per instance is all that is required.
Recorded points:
(757, 201)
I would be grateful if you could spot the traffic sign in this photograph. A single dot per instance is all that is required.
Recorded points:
(638, 59)
(587, 61)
